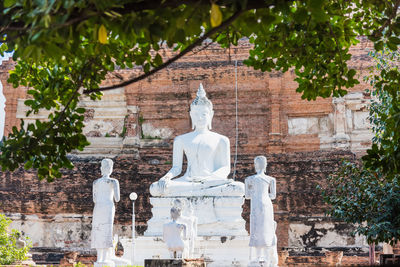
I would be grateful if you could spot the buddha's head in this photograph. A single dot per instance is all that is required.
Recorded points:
(201, 110)
(106, 167)
(175, 213)
(177, 203)
(260, 164)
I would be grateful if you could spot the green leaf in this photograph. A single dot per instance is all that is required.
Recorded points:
(300, 15)
(8, 3)
(394, 40)
(80, 110)
(29, 102)
(378, 46)
(392, 46)
(28, 165)
(316, 4)
(351, 73)
(158, 60)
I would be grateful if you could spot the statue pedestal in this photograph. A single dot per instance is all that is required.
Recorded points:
(175, 263)
(104, 264)
(217, 251)
(217, 216)
(222, 238)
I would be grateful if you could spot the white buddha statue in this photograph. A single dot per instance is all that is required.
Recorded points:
(190, 221)
(261, 189)
(208, 159)
(105, 192)
(175, 234)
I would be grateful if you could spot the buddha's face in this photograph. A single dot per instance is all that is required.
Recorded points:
(260, 166)
(175, 213)
(201, 116)
(106, 167)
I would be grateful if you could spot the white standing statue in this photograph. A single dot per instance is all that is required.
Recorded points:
(190, 221)
(175, 234)
(105, 192)
(261, 189)
(208, 159)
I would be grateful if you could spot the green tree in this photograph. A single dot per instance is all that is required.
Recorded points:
(368, 194)
(9, 251)
(384, 155)
(64, 49)
(367, 199)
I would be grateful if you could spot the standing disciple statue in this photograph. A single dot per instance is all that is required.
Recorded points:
(105, 192)
(261, 189)
(190, 220)
(174, 235)
(208, 159)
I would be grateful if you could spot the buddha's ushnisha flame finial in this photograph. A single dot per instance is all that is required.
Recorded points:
(201, 98)
(201, 92)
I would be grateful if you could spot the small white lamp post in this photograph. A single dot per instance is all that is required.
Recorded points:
(133, 197)
(2, 110)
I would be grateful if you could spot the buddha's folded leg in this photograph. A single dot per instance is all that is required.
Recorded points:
(214, 187)
(175, 187)
(232, 189)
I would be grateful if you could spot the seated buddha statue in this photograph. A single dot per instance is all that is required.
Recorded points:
(208, 159)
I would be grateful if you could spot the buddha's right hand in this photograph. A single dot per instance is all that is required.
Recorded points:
(163, 182)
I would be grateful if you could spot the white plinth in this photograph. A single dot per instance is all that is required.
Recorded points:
(218, 251)
(104, 264)
(217, 216)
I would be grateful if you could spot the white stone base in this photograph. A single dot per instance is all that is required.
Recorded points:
(217, 216)
(256, 264)
(218, 251)
(121, 261)
(222, 237)
(104, 264)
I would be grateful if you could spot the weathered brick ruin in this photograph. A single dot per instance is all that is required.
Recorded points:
(303, 140)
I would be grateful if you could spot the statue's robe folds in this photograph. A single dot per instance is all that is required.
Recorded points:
(103, 213)
(174, 235)
(262, 228)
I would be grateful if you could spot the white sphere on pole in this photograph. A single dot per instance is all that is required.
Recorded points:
(133, 196)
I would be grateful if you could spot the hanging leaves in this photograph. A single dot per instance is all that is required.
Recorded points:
(102, 35)
(216, 15)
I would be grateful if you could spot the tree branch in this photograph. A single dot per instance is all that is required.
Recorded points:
(389, 20)
(171, 60)
(202, 48)
(80, 15)
(74, 94)
(62, 113)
